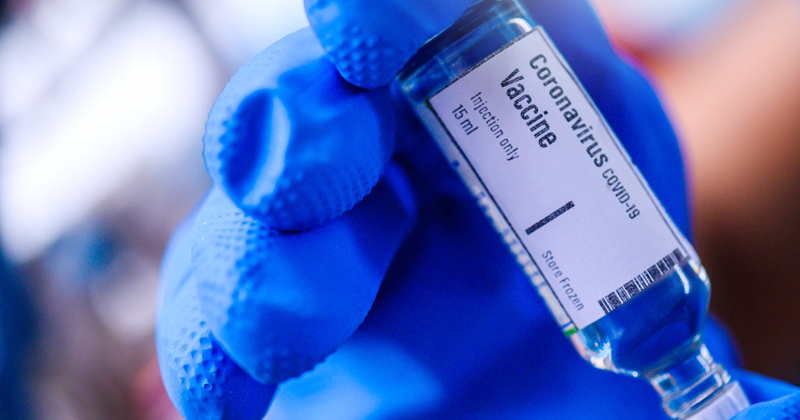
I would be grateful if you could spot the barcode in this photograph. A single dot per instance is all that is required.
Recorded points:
(640, 282)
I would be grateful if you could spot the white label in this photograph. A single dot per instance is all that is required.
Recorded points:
(546, 157)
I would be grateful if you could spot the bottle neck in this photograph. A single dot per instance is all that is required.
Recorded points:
(480, 16)
(686, 386)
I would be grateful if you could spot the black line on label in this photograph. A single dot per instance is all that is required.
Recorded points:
(550, 218)
(508, 223)
(615, 140)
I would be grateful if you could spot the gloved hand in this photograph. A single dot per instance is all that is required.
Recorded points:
(337, 240)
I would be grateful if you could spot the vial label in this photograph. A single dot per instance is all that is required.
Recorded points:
(527, 136)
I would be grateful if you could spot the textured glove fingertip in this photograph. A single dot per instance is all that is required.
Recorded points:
(366, 60)
(200, 378)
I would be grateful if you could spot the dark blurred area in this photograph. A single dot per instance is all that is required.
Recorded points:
(5, 11)
(102, 106)
(18, 331)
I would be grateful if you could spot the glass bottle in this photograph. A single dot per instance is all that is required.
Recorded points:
(651, 321)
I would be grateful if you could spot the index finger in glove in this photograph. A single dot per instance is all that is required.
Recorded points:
(291, 143)
(370, 41)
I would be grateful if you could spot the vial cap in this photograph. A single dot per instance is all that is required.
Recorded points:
(724, 406)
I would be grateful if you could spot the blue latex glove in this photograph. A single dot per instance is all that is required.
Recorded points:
(335, 228)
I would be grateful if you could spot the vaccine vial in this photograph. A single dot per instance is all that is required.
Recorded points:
(619, 278)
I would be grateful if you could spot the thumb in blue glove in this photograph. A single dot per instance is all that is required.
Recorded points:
(785, 408)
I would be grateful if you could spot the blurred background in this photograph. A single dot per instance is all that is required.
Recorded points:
(102, 106)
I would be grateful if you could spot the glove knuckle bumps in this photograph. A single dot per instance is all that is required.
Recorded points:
(202, 381)
(369, 61)
(233, 260)
(292, 143)
(369, 42)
